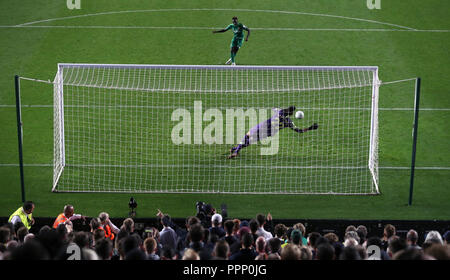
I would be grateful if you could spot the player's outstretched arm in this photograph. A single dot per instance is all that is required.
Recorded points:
(223, 30)
(313, 127)
(248, 33)
(220, 31)
(302, 130)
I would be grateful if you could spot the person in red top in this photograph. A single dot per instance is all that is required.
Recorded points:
(106, 224)
(66, 216)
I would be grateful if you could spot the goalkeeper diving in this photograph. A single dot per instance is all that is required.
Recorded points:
(279, 120)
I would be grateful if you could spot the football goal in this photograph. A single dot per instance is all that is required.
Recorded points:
(170, 129)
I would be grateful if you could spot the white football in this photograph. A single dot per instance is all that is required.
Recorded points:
(299, 115)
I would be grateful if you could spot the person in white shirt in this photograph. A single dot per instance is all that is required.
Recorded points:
(262, 221)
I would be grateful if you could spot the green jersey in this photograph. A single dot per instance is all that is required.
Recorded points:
(238, 30)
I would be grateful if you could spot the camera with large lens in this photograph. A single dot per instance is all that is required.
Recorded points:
(133, 205)
(204, 213)
(200, 206)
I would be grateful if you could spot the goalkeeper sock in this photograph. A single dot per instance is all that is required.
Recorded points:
(233, 54)
(245, 142)
(237, 149)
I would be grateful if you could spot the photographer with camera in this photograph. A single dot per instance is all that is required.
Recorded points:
(205, 213)
(133, 205)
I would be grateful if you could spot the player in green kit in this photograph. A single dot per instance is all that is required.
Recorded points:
(238, 37)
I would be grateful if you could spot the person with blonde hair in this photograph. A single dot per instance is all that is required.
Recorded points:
(191, 255)
(434, 237)
(105, 223)
(291, 252)
(150, 247)
(128, 225)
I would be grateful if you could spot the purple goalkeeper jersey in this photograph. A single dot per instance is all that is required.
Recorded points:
(270, 127)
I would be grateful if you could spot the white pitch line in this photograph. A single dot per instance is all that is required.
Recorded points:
(219, 9)
(213, 28)
(412, 109)
(230, 166)
(175, 107)
(419, 168)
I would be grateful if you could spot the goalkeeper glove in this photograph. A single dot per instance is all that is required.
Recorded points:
(313, 127)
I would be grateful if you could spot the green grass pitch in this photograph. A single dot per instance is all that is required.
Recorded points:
(405, 39)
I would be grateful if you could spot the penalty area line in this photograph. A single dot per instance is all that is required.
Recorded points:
(214, 28)
(228, 166)
(175, 107)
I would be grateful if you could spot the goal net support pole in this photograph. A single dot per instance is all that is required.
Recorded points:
(19, 135)
(414, 140)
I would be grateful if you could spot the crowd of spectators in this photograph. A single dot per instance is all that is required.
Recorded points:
(208, 236)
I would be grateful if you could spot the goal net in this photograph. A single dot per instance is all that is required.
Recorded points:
(170, 128)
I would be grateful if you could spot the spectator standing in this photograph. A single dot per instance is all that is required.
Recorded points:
(167, 236)
(296, 237)
(349, 253)
(351, 237)
(274, 246)
(376, 241)
(183, 238)
(396, 244)
(5, 237)
(216, 226)
(150, 247)
(246, 253)
(325, 252)
(306, 253)
(302, 228)
(128, 225)
(104, 249)
(196, 237)
(361, 230)
(412, 237)
(350, 228)
(438, 252)
(190, 255)
(229, 237)
(411, 253)
(260, 246)
(21, 233)
(280, 232)
(388, 232)
(262, 221)
(291, 252)
(254, 227)
(312, 238)
(221, 250)
(237, 226)
(446, 237)
(434, 237)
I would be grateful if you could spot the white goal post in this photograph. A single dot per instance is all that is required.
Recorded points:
(169, 129)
